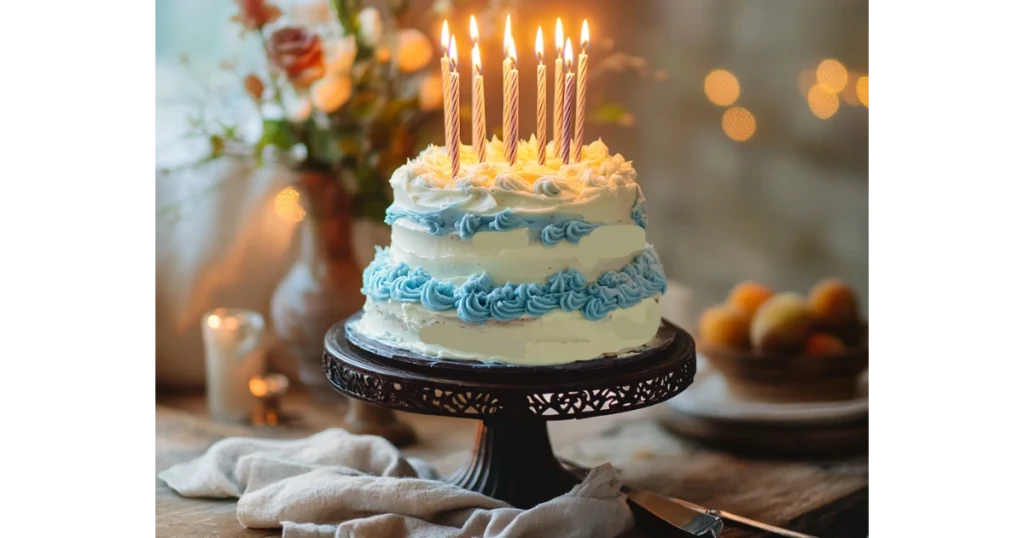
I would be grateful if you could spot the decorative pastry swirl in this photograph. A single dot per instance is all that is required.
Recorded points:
(478, 299)
(550, 230)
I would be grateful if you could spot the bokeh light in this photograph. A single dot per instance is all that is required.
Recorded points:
(822, 102)
(849, 95)
(862, 90)
(287, 206)
(832, 75)
(721, 87)
(738, 123)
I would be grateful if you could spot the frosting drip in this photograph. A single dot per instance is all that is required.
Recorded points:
(549, 229)
(478, 299)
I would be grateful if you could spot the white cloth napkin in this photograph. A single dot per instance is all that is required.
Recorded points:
(336, 484)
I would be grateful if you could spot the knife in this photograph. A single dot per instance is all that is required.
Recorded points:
(683, 515)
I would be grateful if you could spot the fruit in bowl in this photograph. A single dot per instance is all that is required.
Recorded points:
(783, 347)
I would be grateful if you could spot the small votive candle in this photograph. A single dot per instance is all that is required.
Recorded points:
(268, 390)
(233, 342)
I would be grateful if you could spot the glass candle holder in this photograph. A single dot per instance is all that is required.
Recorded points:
(234, 344)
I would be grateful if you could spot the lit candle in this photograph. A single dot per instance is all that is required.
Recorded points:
(581, 93)
(453, 137)
(542, 101)
(479, 110)
(511, 96)
(559, 85)
(570, 98)
(445, 68)
(234, 352)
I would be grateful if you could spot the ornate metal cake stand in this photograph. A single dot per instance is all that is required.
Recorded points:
(512, 459)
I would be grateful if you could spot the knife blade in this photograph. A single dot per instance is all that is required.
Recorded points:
(691, 522)
(671, 511)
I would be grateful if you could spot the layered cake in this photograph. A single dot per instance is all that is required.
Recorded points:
(524, 264)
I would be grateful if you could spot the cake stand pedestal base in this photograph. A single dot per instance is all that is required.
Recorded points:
(512, 459)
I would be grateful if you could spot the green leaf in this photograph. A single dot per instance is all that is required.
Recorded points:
(278, 133)
(216, 146)
(322, 146)
(609, 113)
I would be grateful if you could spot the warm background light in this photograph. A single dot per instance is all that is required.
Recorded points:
(849, 94)
(823, 102)
(738, 123)
(287, 206)
(832, 75)
(721, 87)
(862, 90)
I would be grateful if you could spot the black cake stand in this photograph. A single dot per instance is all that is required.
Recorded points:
(512, 459)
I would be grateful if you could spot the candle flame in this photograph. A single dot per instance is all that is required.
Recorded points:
(568, 54)
(444, 35)
(476, 58)
(258, 386)
(474, 32)
(213, 321)
(559, 37)
(453, 54)
(540, 44)
(510, 46)
(584, 36)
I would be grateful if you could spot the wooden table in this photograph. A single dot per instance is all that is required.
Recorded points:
(827, 499)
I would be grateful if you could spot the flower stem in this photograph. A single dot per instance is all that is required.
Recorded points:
(273, 80)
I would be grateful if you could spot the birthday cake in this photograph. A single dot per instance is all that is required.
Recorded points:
(524, 264)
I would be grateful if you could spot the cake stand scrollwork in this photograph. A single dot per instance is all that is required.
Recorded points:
(512, 459)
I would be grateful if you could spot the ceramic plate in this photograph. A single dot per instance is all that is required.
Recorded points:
(707, 398)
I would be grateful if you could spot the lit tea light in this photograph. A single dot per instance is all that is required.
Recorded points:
(268, 390)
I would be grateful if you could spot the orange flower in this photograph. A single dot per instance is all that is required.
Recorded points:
(298, 54)
(255, 14)
(254, 87)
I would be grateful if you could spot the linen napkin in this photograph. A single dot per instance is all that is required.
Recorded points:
(336, 484)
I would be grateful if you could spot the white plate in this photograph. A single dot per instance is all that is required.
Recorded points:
(708, 398)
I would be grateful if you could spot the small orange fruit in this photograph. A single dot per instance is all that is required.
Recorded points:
(748, 296)
(823, 345)
(833, 305)
(782, 323)
(724, 326)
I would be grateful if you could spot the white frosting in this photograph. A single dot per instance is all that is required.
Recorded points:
(601, 188)
(511, 256)
(556, 338)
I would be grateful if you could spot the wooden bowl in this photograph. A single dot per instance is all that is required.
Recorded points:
(754, 375)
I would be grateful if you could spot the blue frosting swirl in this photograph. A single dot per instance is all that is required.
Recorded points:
(639, 212)
(550, 230)
(478, 299)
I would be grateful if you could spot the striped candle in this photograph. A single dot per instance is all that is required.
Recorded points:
(581, 94)
(479, 110)
(570, 98)
(559, 86)
(510, 115)
(453, 138)
(542, 102)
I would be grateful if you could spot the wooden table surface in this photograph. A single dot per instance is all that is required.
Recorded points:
(827, 499)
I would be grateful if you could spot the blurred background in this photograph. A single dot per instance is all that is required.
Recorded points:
(747, 122)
